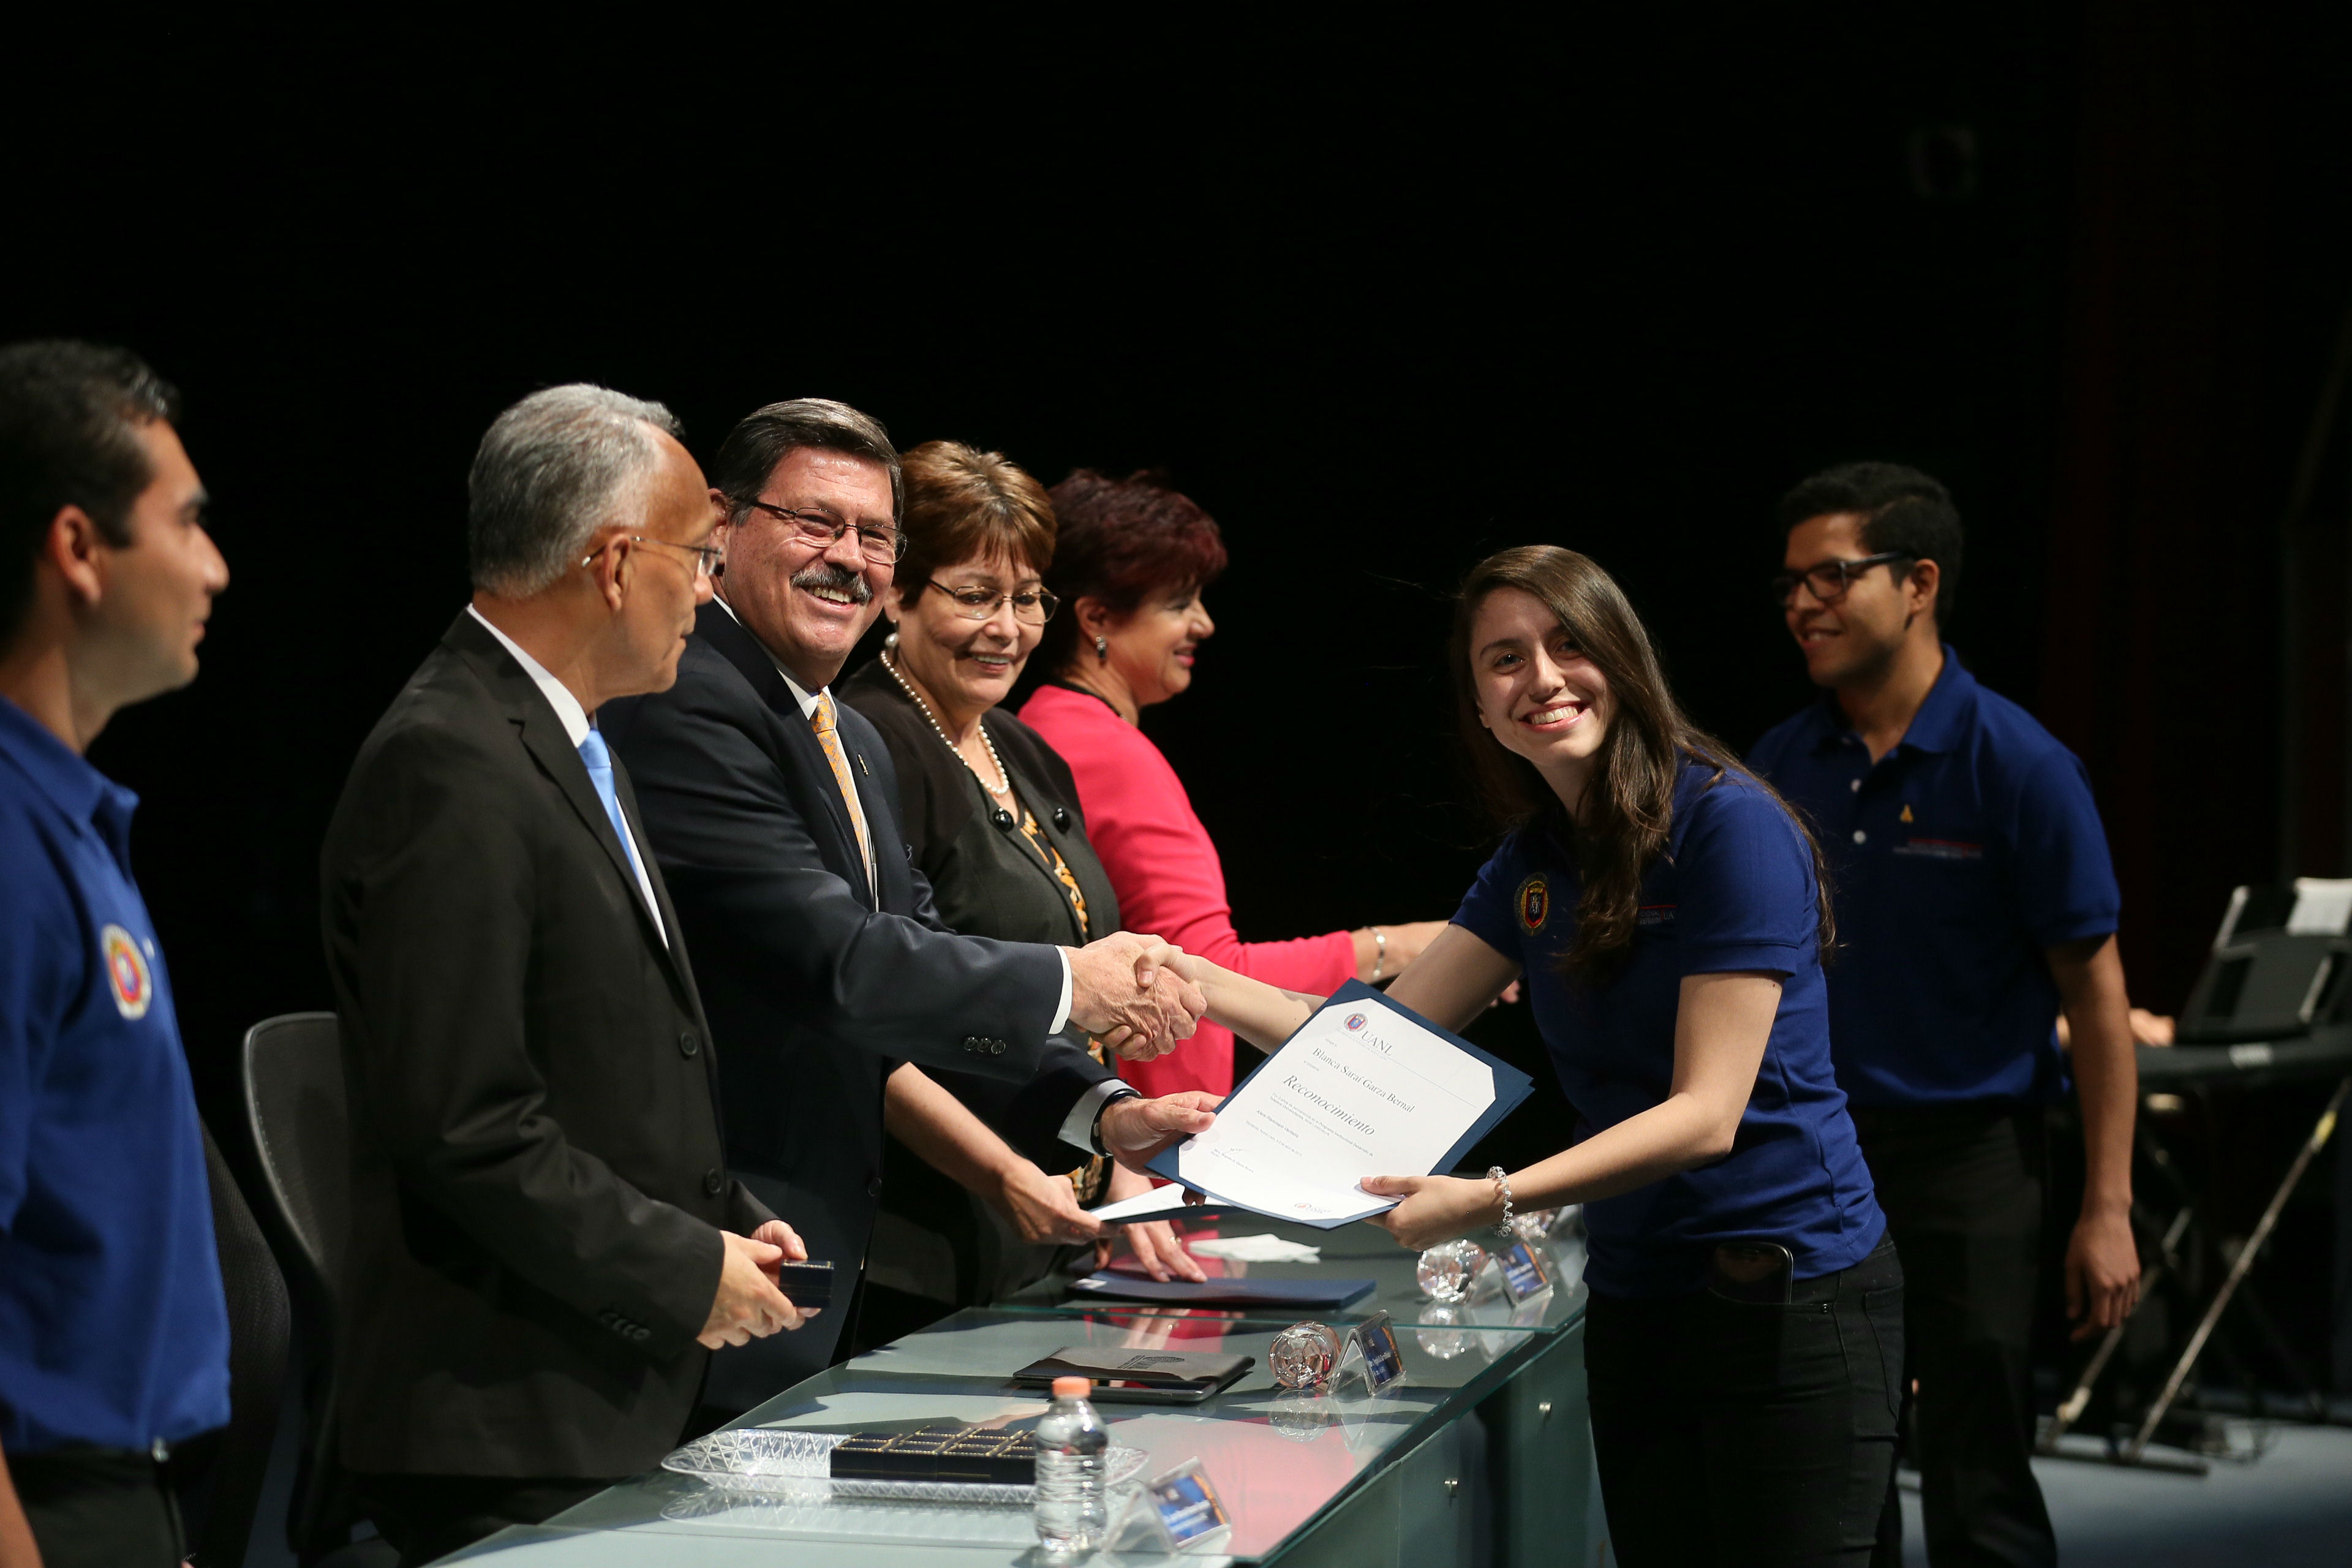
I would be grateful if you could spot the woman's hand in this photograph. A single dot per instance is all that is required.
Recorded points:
(1435, 1208)
(1403, 946)
(1157, 1248)
(1154, 1242)
(1042, 1208)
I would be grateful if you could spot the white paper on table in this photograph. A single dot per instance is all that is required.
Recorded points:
(1264, 1248)
(1360, 1090)
(1160, 1203)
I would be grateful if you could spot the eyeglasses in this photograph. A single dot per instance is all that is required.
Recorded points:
(814, 528)
(709, 560)
(1829, 581)
(1033, 606)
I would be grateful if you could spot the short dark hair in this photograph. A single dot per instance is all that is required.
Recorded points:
(765, 437)
(964, 504)
(71, 414)
(1902, 508)
(1121, 539)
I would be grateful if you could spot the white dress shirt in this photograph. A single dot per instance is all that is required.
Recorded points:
(575, 720)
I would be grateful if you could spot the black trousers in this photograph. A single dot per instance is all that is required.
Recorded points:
(1962, 1188)
(426, 1518)
(99, 1508)
(1728, 1432)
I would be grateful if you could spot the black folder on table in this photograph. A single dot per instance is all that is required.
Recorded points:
(1127, 1372)
(1107, 1286)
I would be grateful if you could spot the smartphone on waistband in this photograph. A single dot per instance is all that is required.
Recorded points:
(1760, 1273)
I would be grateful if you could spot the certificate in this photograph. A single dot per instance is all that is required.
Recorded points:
(1366, 1088)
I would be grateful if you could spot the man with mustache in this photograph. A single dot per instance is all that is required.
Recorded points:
(774, 814)
(1976, 900)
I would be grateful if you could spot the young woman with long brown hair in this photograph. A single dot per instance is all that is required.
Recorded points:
(1745, 1330)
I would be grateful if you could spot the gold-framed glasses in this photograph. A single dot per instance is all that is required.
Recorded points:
(1031, 606)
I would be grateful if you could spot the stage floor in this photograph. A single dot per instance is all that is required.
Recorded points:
(2289, 1508)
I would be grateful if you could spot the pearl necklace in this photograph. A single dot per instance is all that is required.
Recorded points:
(1004, 786)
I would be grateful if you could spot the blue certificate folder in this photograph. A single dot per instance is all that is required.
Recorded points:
(1511, 1087)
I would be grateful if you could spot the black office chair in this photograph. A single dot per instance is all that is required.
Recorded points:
(293, 1072)
(220, 1475)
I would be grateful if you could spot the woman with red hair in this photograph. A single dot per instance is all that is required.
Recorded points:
(1131, 563)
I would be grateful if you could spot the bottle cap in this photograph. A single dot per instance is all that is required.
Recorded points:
(1072, 1387)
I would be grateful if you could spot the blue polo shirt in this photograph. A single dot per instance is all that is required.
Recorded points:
(1956, 861)
(113, 1326)
(1734, 890)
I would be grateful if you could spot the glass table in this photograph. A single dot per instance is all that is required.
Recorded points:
(1481, 1453)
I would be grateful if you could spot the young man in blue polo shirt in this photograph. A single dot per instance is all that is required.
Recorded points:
(114, 1331)
(1975, 900)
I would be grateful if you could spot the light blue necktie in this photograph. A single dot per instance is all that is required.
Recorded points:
(600, 773)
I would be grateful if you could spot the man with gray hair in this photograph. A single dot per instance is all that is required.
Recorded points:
(545, 1244)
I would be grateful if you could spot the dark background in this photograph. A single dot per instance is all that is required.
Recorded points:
(1380, 299)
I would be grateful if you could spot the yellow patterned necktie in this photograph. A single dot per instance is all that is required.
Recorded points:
(822, 722)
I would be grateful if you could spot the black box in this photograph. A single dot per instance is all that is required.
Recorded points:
(807, 1286)
(972, 1454)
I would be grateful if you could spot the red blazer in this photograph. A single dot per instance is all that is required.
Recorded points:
(1168, 877)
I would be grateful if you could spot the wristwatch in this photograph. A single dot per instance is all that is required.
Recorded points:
(1094, 1133)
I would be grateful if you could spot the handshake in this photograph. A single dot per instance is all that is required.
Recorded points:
(1125, 989)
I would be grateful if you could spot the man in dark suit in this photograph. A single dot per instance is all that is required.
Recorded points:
(774, 813)
(545, 1242)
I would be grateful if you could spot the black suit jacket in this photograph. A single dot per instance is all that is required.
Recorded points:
(537, 1162)
(818, 987)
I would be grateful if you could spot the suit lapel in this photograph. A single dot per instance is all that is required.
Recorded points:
(542, 736)
(719, 627)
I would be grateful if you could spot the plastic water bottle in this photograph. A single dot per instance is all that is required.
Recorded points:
(1072, 1512)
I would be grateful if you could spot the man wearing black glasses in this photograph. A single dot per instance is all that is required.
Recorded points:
(1975, 901)
(774, 812)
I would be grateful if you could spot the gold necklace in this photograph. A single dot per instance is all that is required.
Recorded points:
(1004, 786)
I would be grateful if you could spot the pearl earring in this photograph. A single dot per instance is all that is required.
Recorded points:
(1102, 650)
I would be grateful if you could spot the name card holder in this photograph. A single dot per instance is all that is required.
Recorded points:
(1178, 1511)
(1373, 1354)
(1524, 1274)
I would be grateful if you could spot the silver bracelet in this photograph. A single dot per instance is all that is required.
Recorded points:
(1494, 1174)
(1380, 954)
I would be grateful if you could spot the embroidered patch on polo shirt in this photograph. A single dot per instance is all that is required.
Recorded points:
(1532, 903)
(126, 971)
